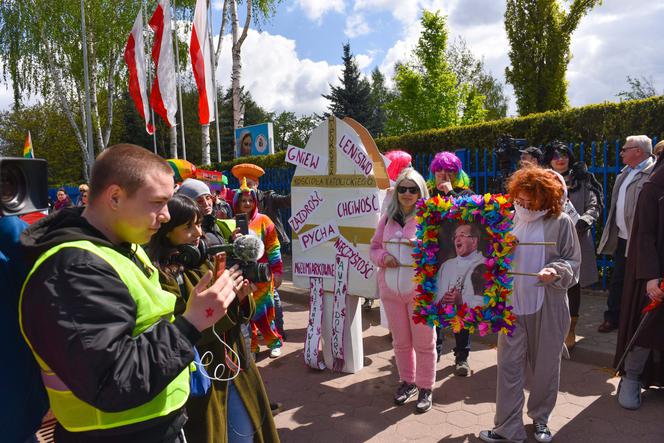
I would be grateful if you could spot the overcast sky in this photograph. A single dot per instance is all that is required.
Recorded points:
(291, 61)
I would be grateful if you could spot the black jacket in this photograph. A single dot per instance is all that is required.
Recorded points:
(269, 203)
(79, 317)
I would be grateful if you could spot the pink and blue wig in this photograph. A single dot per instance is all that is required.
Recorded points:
(447, 161)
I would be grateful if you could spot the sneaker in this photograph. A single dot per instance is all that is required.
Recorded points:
(368, 303)
(542, 433)
(492, 437)
(275, 352)
(629, 393)
(405, 392)
(462, 368)
(424, 401)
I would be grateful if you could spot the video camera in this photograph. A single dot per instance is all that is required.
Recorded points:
(23, 185)
(508, 152)
(244, 251)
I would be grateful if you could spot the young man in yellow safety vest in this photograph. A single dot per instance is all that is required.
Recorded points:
(114, 360)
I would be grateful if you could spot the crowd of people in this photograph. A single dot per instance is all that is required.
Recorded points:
(139, 331)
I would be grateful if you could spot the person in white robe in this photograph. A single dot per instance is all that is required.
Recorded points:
(530, 358)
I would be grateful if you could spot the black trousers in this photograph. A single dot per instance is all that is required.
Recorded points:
(612, 314)
(462, 348)
(574, 297)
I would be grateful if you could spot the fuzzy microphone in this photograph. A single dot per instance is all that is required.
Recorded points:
(248, 248)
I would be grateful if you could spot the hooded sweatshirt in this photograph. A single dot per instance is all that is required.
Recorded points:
(78, 315)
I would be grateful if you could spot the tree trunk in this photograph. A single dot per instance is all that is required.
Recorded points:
(94, 104)
(62, 98)
(237, 61)
(205, 142)
(111, 93)
(173, 132)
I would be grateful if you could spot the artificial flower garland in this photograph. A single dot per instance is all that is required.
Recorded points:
(494, 213)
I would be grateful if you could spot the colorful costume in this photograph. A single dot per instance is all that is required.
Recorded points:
(262, 227)
(414, 344)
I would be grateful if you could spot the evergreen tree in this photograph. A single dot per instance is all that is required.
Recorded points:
(353, 97)
(380, 96)
(539, 32)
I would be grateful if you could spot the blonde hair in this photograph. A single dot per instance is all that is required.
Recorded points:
(659, 147)
(393, 207)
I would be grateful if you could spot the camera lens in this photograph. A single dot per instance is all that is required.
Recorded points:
(13, 188)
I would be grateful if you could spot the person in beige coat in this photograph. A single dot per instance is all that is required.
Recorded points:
(637, 156)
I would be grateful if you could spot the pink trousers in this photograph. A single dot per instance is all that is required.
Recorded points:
(414, 344)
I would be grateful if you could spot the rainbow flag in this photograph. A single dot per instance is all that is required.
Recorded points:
(182, 169)
(27, 147)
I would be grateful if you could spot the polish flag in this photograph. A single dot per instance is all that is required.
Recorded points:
(163, 97)
(199, 50)
(135, 58)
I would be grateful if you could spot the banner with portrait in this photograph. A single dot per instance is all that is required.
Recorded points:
(463, 260)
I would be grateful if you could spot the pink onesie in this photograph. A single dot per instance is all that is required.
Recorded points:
(414, 344)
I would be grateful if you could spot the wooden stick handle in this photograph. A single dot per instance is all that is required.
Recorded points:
(527, 274)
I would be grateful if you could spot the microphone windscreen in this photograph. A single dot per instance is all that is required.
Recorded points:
(248, 248)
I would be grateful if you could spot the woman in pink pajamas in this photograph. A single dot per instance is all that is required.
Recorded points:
(391, 249)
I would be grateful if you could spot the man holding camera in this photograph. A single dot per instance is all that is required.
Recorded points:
(114, 361)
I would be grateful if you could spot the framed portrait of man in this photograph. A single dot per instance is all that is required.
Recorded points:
(463, 263)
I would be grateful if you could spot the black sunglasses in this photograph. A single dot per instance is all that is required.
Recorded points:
(411, 189)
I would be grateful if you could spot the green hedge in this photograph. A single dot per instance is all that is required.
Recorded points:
(608, 121)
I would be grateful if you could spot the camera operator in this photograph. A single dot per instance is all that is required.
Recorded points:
(113, 357)
(509, 152)
(22, 389)
(237, 402)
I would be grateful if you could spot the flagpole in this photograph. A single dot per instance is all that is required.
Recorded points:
(214, 80)
(88, 112)
(147, 69)
(179, 82)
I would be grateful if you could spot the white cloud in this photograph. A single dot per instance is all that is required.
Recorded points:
(276, 77)
(356, 26)
(315, 9)
(363, 60)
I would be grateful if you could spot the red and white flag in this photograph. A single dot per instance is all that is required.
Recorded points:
(135, 58)
(199, 50)
(163, 97)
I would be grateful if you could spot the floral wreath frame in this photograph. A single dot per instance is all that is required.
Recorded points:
(493, 211)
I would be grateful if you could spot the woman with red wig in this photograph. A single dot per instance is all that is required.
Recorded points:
(260, 225)
(543, 272)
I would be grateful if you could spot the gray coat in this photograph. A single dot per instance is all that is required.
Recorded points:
(586, 203)
(609, 241)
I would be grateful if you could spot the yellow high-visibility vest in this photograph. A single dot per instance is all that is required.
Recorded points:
(152, 305)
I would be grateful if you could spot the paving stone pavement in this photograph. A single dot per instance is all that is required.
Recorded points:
(331, 407)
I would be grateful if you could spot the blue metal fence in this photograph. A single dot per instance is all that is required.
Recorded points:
(481, 166)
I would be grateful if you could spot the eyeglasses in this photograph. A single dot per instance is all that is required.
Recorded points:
(411, 189)
(627, 148)
(456, 236)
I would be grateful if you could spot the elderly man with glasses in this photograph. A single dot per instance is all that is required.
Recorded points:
(637, 155)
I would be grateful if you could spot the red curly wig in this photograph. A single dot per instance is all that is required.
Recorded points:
(542, 185)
